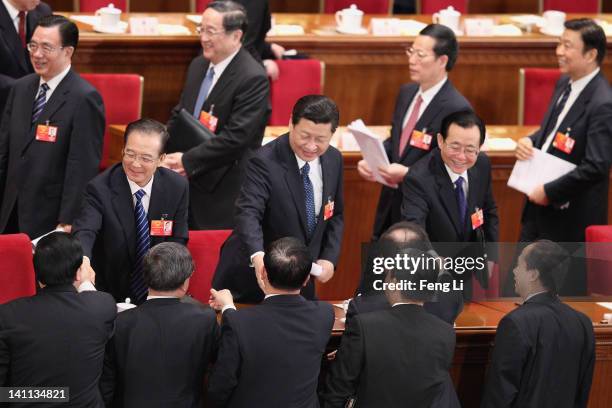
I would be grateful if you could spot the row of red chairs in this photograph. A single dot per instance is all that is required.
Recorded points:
(372, 6)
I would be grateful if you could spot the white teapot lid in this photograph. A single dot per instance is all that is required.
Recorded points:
(110, 9)
(450, 10)
(353, 10)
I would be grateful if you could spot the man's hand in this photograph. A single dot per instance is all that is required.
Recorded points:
(364, 171)
(258, 264)
(277, 50)
(538, 196)
(220, 298)
(86, 273)
(393, 173)
(328, 270)
(65, 227)
(524, 149)
(271, 69)
(174, 161)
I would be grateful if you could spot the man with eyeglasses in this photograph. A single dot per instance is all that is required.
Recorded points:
(17, 21)
(419, 109)
(50, 136)
(449, 193)
(130, 208)
(227, 90)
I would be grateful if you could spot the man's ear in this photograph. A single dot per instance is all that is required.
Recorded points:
(440, 139)
(306, 281)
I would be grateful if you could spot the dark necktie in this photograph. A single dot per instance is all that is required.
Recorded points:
(143, 242)
(460, 194)
(21, 27)
(552, 122)
(309, 199)
(39, 102)
(206, 84)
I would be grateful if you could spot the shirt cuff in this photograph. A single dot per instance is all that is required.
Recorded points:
(226, 307)
(254, 255)
(86, 286)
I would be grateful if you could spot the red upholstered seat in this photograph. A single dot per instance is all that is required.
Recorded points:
(536, 87)
(200, 5)
(367, 6)
(479, 293)
(204, 247)
(296, 79)
(122, 95)
(572, 6)
(599, 259)
(433, 6)
(16, 269)
(90, 6)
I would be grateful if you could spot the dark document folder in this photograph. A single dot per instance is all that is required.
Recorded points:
(186, 132)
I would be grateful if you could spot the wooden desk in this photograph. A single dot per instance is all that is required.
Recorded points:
(363, 73)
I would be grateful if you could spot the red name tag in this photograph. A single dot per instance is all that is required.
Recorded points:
(46, 133)
(328, 210)
(161, 228)
(420, 140)
(477, 219)
(564, 142)
(209, 120)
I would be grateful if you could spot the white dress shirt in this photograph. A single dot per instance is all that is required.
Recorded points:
(219, 68)
(577, 87)
(427, 97)
(146, 199)
(13, 14)
(54, 82)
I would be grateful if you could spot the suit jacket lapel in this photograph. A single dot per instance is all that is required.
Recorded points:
(195, 88)
(12, 37)
(28, 131)
(405, 104)
(123, 205)
(580, 104)
(549, 111)
(225, 78)
(293, 179)
(474, 181)
(329, 181)
(446, 191)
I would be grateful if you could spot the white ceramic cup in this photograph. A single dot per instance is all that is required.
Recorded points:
(553, 21)
(349, 19)
(109, 16)
(448, 17)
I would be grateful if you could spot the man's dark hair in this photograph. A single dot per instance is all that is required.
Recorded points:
(234, 15)
(149, 127)
(167, 266)
(465, 119)
(57, 258)
(69, 32)
(288, 263)
(317, 109)
(593, 36)
(550, 260)
(446, 42)
(425, 272)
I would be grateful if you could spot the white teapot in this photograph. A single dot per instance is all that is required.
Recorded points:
(349, 19)
(109, 16)
(448, 17)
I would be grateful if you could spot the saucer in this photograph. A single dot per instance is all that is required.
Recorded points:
(546, 31)
(359, 31)
(119, 29)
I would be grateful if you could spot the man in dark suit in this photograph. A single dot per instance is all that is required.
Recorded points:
(57, 337)
(544, 352)
(161, 350)
(446, 304)
(449, 193)
(113, 231)
(50, 136)
(17, 21)
(270, 354)
(228, 91)
(419, 110)
(292, 187)
(399, 356)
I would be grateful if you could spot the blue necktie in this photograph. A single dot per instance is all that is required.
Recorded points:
(39, 102)
(206, 84)
(143, 242)
(309, 198)
(460, 194)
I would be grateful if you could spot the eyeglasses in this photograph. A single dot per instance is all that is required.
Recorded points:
(210, 32)
(469, 151)
(420, 54)
(143, 158)
(45, 48)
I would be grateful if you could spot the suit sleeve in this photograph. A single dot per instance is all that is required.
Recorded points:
(5, 357)
(224, 377)
(88, 223)
(251, 205)
(414, 206)
(242, 130)
(587, 366)
(181, 223)
(4, 143)
(109, 375)
(84, 153)
(343, 379)
(505, 370)
(594, 166)
(332, 238)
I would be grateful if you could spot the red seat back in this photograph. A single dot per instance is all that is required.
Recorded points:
(599, 259)
(367, 6)
(122, 95)
(296, 78)
(433, 6)
(204, 247)
(17, 277)
(582, 6)
(480, 293)
(536, 87)
(200, 5)
(90, 6)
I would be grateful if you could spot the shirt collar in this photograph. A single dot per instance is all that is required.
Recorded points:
(301, 162)
(12, 11)
(533, 294)
(270, 295)
(429, 94)
(580, 84)
(135, 187)
(161, 297)
(55, 81)
(454, 176)
(220, 67)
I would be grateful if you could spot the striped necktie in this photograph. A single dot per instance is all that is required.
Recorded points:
(39, 102)
(461, 201)
(309, 197)
(143, 242)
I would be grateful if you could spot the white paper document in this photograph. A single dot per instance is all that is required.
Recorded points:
(371, 147)
(542, 168)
